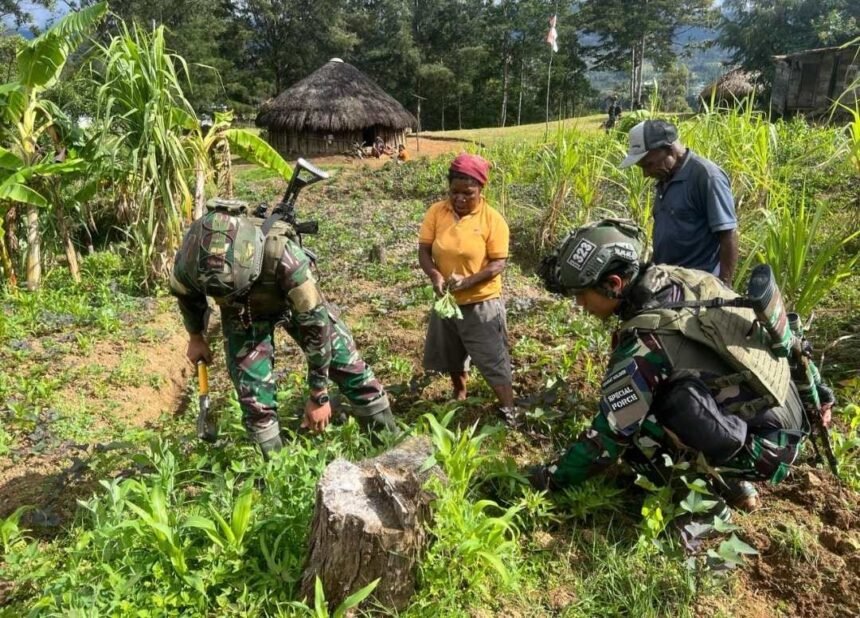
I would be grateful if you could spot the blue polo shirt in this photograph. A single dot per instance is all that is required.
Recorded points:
(689, 210)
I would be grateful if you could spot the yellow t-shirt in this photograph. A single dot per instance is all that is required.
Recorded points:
(465, 245)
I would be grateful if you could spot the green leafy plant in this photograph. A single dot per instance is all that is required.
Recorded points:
(25, 167)
(446, 306)
(227, 534)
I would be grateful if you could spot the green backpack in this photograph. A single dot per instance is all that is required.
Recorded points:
(225, 251)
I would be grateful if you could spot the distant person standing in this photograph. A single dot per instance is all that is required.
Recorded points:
(613, 109)
(695, 224)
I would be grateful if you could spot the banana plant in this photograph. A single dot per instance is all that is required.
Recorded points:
(225, 140)
(30, 122)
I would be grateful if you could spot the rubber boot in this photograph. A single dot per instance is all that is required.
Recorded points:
(379, 422)
(272, 445)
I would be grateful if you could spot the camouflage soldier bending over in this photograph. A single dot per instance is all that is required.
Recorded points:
(685, 378)
(216, 255)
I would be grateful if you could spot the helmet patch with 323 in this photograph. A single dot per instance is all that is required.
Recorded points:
(579, 256)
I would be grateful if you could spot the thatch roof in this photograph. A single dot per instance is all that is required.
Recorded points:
(736, 84)
(336, 97)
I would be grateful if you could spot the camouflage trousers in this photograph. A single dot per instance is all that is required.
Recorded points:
(688, 421)
(250, 356)
(681, 426)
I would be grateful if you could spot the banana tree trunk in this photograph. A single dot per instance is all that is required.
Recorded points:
(199, 189)
(34, 249)
(224, 169)
(7, 266)
(71, 254)
(9, 245)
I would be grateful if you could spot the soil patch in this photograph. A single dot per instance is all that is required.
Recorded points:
(420, 147)
(125, 383)
(808, 538)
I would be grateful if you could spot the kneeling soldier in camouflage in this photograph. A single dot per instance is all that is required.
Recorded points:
(688, 375)
(218, 252)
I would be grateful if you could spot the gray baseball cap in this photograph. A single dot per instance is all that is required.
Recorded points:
(648, 135)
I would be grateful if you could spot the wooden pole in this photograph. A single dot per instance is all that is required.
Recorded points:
(548, 80)
(418, 118)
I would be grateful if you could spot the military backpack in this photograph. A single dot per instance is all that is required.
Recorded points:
(225, 251)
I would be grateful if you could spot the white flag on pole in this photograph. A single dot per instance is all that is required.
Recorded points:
(552, 35)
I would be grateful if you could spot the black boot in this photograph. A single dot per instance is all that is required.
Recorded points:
(272, 445)
(378, 422)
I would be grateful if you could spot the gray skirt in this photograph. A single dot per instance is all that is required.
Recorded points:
(481, 336)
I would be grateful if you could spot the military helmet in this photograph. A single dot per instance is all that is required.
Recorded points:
(589, 252)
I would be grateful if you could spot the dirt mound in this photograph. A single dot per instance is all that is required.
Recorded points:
(808, 538)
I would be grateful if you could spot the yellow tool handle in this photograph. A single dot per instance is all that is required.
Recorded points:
(202, 377)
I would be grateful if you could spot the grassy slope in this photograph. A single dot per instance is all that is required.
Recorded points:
(524, 133)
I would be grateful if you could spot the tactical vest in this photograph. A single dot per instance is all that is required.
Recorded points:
(225, 251)
(731, 332)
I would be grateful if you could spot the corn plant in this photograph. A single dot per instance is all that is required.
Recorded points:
(807, 263)
(227, 535)
(468, 539)
(155, 524)
(10, 529)
(320, 608)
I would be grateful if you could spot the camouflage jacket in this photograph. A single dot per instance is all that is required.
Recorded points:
(286, 291)
(640, 362)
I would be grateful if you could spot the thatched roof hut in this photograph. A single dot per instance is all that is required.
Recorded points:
(730, 87)
(330, 110)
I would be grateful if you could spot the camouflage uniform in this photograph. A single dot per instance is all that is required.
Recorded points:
(286, 293)
(666, 393)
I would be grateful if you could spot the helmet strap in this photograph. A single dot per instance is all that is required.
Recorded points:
(609, 293)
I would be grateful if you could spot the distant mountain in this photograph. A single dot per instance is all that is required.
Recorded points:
(695, 48)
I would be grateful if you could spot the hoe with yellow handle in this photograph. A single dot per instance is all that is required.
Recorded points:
(207, 430)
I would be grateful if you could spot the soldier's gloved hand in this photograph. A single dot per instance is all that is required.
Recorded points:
(198, 349)
(317, 416)
(540, 478)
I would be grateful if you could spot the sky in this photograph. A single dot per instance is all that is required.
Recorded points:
(41, 15)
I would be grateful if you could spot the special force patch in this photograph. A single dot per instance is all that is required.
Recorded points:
(626, 398)
(579, 256)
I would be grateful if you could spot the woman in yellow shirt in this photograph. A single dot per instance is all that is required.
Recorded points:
(463, 246)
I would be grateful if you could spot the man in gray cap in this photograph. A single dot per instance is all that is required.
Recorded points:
(695, 225)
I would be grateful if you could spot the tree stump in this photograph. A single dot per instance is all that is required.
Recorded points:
(376, 255)
(369, 522)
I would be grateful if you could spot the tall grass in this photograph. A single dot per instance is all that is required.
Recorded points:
(808, 259)
(147, 120)
(572, 172)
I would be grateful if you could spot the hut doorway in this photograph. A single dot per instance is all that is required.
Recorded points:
(368, 135)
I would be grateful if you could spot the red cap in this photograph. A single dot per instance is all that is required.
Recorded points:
(472, 166)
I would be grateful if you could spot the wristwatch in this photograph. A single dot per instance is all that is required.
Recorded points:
(320, 398)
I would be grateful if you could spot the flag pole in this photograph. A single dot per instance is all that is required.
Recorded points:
(551, 38)
(548, 81)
